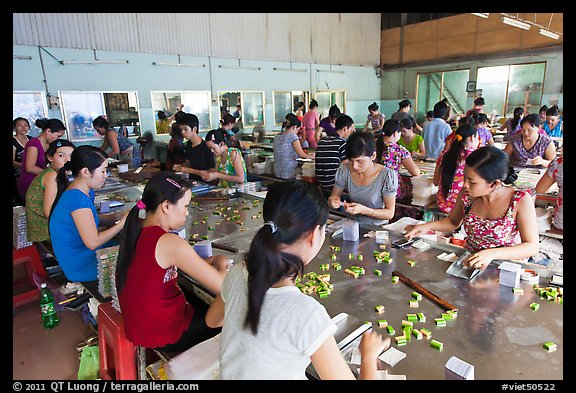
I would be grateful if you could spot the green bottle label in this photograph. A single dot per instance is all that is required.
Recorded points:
(47, 309)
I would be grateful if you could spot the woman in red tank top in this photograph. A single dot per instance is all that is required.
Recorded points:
(156, 312)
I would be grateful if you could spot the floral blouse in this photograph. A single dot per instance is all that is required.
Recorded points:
(446, 204)
(556, 172)
(392, 159)
(228, 167)
(483, 233)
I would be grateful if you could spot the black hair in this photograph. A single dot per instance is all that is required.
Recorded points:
(295, 208)
(175, 131)
(84, 156)
(533, 119)
(373, 106)
(491, 164)
(543, 108)
(291, 121)
(179, 115)
(430, 114)
(404, 104)
(16, 120)
(101, 122)
(301, 105)
(217, 136)
(164, 186)
(407, 122)
(481, 118)
(54, 145)
(161, 115)
(553, 111)
(479, 101)
(55, 125)
(343, 121)
(389, 128)
(227, 119)
(518, 112)
(452, 156)
(360, 144)
(190, 120)
(334, 112)
(441, 110)
(313, 104)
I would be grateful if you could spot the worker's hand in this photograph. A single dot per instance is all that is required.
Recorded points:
(537, 161)
(334, 202)
(371, 344)
(479, 260)
(220, 262)
(209, 175)
(177, 168)
(356, 208)
(180, 107)
(415, 230)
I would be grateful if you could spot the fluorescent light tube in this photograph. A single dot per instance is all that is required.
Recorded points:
(290, 69)
(94, 61)
(549, 33)
(233, 67)
(20, 57)
(481, 15)
(159, 63)
(516, 23)
(332, 71)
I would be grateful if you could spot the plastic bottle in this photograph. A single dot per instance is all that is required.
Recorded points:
(49, 317)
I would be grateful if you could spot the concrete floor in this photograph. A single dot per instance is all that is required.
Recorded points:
(46, 354)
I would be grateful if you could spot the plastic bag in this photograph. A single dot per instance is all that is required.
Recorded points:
(89, 364)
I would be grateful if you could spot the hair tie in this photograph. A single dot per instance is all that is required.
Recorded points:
(140, 205)
(458, 137)
(173, 182)
(272, 225)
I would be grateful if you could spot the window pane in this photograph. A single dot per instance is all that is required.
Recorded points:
(253, 108)
(525, 87)
(30, 106)
(122, 110)
(323, 99)
(428, 91)
(198, 103)
(79, 111)
(493, 82)
(454, 89)
(167, 102)
(282, 106)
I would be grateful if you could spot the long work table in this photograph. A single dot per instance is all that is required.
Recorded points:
(495, 329)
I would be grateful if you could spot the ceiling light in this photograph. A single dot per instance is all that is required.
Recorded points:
(549, 33)
(290, 69)
(233, 67)
(158, 63)
(21, 57)
(332, 71)
(481, 15)
(94, 61)
(516, 23)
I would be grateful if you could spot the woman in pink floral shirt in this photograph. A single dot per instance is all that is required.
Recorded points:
(392, 155)
(449, 172)
(499, 220)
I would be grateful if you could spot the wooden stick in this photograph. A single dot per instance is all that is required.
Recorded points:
(436, 299)
(224, 247)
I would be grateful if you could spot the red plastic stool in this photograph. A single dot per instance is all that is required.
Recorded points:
(30, 258)
(117, 353)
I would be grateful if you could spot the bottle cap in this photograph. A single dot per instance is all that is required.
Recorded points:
(43, 285)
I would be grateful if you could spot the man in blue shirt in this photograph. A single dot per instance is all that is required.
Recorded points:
(437, 130)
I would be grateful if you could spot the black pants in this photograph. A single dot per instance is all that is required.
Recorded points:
(197, 332)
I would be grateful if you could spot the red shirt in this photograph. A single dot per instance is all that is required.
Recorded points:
(154, 308)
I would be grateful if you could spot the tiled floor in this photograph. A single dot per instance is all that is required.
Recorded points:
(48, 354)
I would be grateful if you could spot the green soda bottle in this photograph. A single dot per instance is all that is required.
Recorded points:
(49, 317)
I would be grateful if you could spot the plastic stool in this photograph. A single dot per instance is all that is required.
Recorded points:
(117, 353)
(30, 258)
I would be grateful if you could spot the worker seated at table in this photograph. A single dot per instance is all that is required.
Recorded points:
(74, 221)
(530, 147)
(230, 166)
(554, 174)
(371, 187)
(156, 312)
(271, 330)
(499, 220)
(287, 149)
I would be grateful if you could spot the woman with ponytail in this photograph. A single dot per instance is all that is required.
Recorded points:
(449, 172)
(73, 221)
(271, 330)
(287, 149)
(156, 312)
(499, 220)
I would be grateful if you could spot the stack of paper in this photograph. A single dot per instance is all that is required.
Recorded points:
(458, 369)
(199, 362)
(107, 258)
(423, 191)
(392, 356)
(19, 235)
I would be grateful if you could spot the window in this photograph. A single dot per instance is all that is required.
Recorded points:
(328, 98)
(286, 102)
(81, 108)
(507, 87)
(435, 86)
(30, 105)
(196, 102)
(251, 103)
